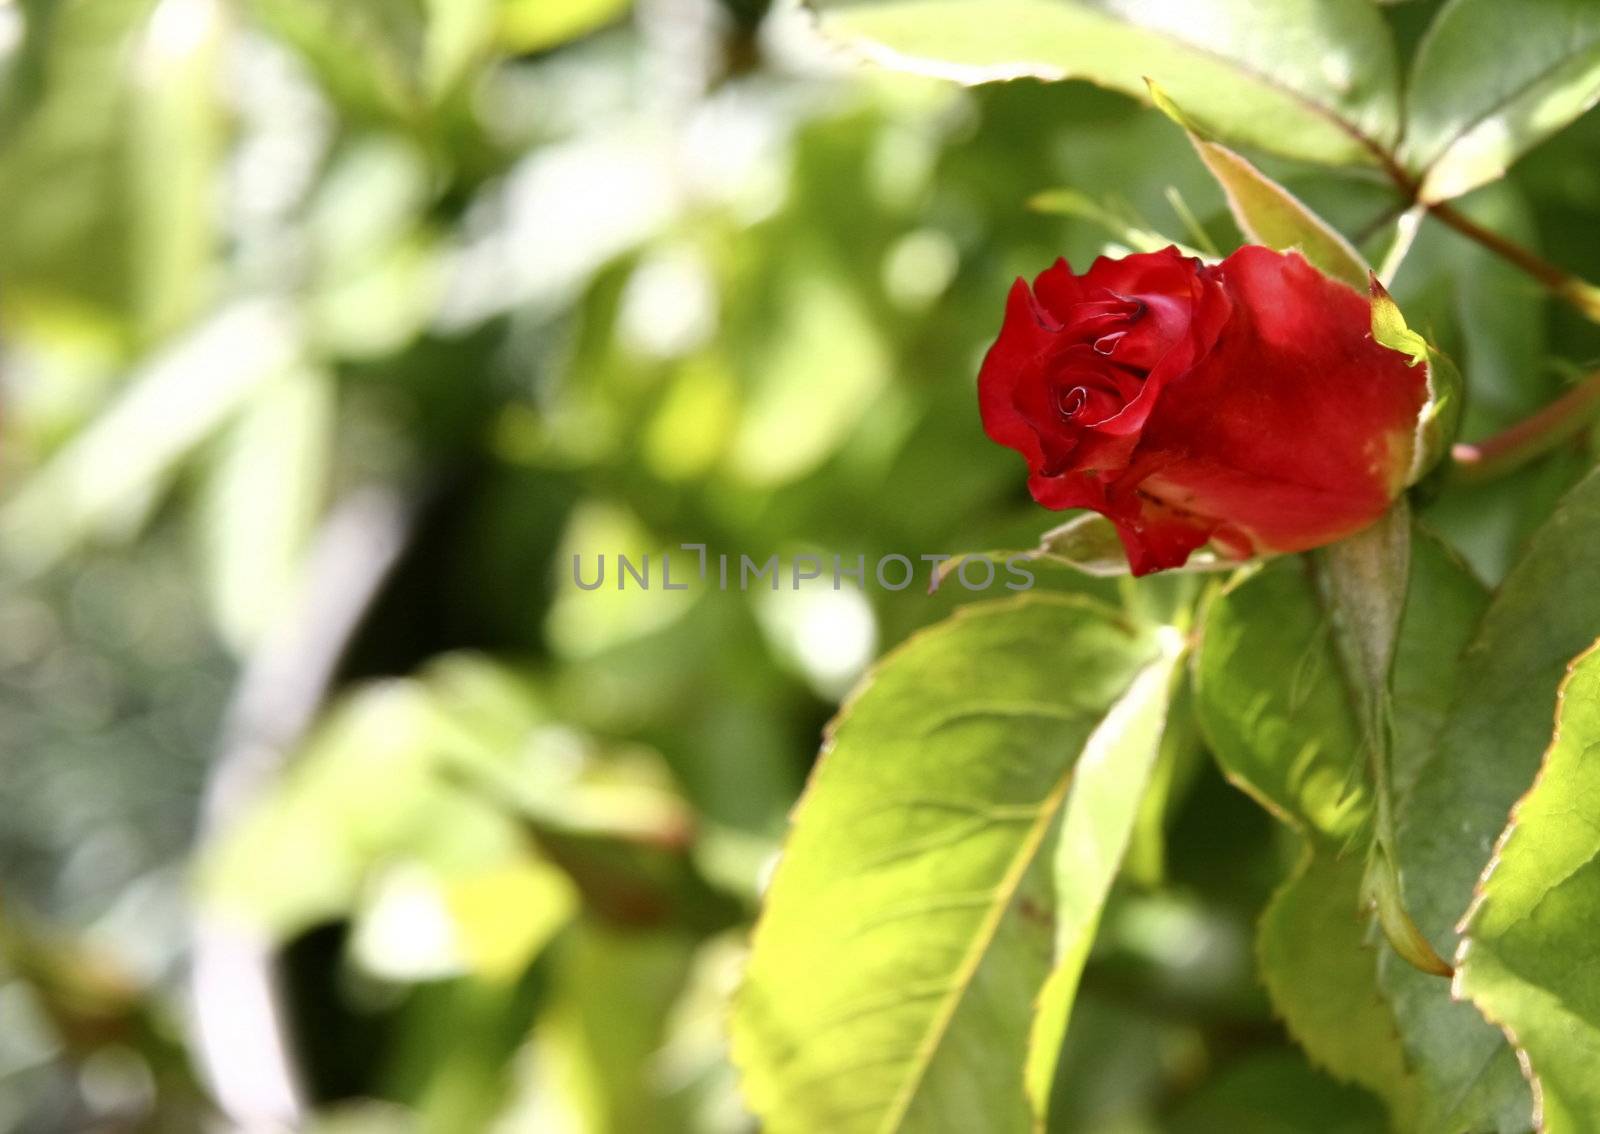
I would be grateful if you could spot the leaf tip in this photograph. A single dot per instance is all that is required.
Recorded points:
(1163, 102)
(1402, 933)
(1389, 326)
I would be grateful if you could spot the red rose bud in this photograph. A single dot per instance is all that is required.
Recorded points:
(1242, 404)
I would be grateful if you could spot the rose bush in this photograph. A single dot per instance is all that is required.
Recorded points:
(1243, 403)
(1012, 817)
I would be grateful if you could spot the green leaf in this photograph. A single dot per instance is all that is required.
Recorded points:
(1266, 212)
(1364, 580)
(1183, 757)
(908, 929)
(1109, 784)
(1485, 756)
(1273, 703)
(1321, 973)
(1491, 81)
(1532, 923)
(1445, 602)
(1317, 81)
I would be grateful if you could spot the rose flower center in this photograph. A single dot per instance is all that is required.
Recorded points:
(1095, 386)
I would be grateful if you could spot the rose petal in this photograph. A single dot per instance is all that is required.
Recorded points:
(1296, 429)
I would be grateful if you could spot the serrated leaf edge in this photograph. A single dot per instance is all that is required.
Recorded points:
(1458, 990)
(1049, 808)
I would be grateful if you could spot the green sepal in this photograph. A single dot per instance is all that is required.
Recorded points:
(1266, 212)
(1440, 419)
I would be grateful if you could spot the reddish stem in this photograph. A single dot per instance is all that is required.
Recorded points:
(1575, 290)
(1510, 449)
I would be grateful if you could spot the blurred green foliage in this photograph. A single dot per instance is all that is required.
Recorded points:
(332, 333)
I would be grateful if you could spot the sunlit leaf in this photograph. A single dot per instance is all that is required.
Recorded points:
(1316, 81)
(1108, 785)
(1533, 915)
(1484, 758)
(908, 929)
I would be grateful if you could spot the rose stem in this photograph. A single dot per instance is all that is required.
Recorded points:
(1510, 449)
(1577, 291)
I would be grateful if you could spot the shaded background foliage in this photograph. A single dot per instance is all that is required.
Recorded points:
(332, 332)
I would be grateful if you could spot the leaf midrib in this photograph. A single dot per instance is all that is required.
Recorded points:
(966, 972)
(994, 917)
